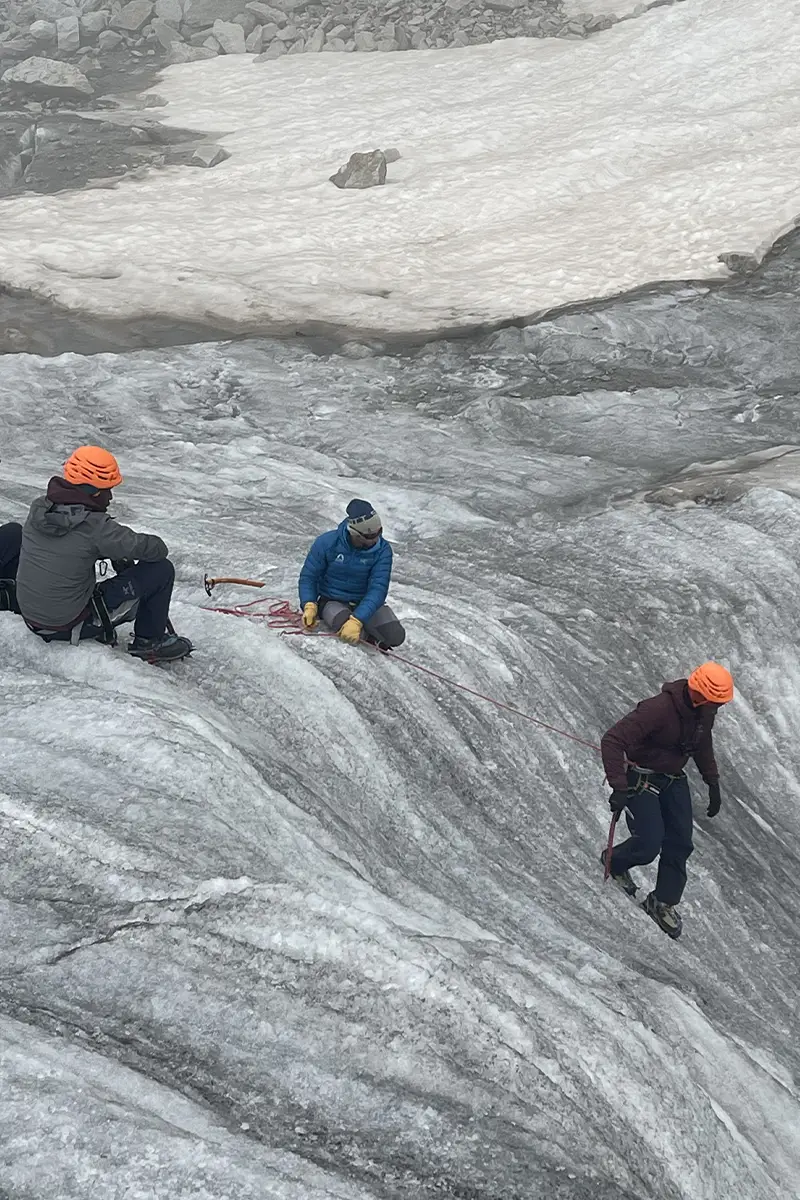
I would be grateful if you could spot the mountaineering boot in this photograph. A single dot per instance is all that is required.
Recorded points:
(168, 648)
(623, 880)
(371, 640)
(665, 915)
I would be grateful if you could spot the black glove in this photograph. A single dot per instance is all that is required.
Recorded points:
(618, 800)
(119, 565)
(714, 799)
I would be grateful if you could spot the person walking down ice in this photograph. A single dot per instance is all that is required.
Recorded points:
(644, 755)
(345, 580)
(67, 531)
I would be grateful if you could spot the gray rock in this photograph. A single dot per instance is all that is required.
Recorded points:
(254, 41)
(166, 34)
(265, 12)
(287, 34)
(108, 40)
(179, 52)
(387, 45)
(362, 171)
(170, 11)
(268, 31)
(52, 10)
(153, 100)
(94, 22)
(247, 21)
(392, 154)
(276, 50)
(199, 13)
(132, 16)
(317, 40)
(230, 37)
(209, 156)
(505, 5)
(740, 263)
(365, 40)
(197, 39)
(299, 47)
(336, 45)
(43, 31)
(68, 33)
(211, 43)
(45, 77)
(457, 5)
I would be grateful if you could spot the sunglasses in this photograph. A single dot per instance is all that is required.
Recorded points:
(367, 537)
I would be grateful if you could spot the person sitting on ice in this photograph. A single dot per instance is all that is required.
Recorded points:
(644, 755)
(10, 542)
(345, 580)
(66, 532)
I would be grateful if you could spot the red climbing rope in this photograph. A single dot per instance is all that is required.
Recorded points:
(491, 700)
(280, 615)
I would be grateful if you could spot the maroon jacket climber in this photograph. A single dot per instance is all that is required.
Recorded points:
(662, 734)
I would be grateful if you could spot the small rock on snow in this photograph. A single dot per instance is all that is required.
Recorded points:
(362, 171)
(209, 156)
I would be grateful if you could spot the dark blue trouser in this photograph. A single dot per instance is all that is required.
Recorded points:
(659, 825)
(151, 584)
(10, 542)
(148, 582)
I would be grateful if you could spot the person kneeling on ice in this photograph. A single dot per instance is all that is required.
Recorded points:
(644, 755)
(67, 531)
(345, 580)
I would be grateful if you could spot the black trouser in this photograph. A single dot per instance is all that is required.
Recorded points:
(662, 825)
(10, 543)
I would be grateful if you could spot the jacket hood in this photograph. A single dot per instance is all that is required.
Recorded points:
(677, 691)
(56, 521)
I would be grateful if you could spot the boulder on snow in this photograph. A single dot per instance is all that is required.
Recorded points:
(45, 77)
(53, 10)
(109, 40)
(170, 10)
(133, 16)
(43, 31)
(166, 33)
(209, 156)
(179, 52)
(362, 171)
(255, 40)
(68, 32)
(391, 154)
(199, 14)
(93, 23)
(230, 37)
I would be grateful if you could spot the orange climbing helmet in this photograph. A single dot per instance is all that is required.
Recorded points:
(712, 681)
(92, 464)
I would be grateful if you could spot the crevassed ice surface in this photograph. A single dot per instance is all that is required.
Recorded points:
(293, 920)
(533, 173)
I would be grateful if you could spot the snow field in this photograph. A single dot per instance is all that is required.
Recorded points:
(534, 173)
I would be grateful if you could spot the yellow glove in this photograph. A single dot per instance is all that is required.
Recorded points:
(351, 630)
(310, 614)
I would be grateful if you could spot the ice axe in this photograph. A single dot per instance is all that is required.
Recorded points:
(611, 831)
(209, 584)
